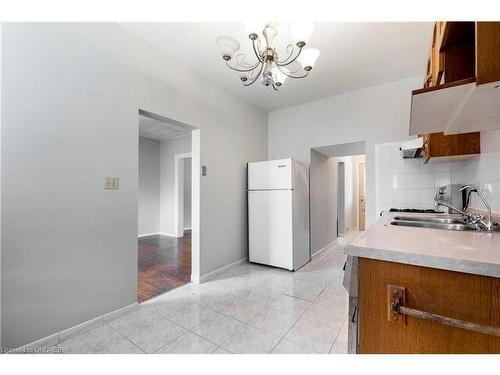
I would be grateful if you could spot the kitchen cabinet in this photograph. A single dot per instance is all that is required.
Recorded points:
(467, 297)
(438, 147)
(461, 89)
(423, 290)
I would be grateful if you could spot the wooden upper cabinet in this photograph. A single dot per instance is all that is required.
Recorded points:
(462, 82)
(438, 147)
(487, 52)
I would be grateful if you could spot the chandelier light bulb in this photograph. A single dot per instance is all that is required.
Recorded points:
(227, 46)
(302, 30)
(278, 76)
(308, 58)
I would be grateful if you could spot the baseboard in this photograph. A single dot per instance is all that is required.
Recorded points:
(222, 269)
(168, 234)
(156, 234)
(147, 234)
(66, 334)
(323, 249)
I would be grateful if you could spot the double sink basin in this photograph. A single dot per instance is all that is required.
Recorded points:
(447, 223)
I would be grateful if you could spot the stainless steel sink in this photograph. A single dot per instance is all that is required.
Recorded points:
(460, 226)
(430, 219)
(434, 222)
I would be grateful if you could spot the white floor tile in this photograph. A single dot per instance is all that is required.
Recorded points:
(123, 346)
(92, 341)
(218, 328)
(290, 305)
(313, 335)
(244, 310)
(289, 347)
(339, 346)
(134, 322)
(157, 335)
(188, 343)
(251, 340)
(320, 313)
(274, 321)
(191, 315)
(221, 350)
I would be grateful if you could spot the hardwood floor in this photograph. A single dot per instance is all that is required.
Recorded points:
(164, 264)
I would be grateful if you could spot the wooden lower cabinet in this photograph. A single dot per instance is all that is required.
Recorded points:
(457, 295)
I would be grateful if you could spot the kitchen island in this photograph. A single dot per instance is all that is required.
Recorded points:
(451, 279)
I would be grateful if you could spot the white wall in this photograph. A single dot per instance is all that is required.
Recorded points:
(483, 170)
(169, 149)
(376, 114)
(187, 193)
(70, 99)
(409, 183)
(323, 198)
(149, 186)
(406, 183)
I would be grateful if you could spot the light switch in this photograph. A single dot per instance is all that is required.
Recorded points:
(111, 182)
(203, 170)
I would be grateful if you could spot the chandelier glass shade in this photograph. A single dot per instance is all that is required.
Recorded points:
(271, 68)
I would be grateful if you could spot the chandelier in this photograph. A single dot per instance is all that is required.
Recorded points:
(296, 63)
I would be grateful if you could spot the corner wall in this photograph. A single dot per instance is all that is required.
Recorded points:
(70, 99)
(149, 187)
(169, 149)
(374, 115)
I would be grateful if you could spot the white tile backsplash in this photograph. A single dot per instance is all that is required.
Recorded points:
(409, 183)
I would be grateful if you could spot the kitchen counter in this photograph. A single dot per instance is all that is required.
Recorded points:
(462, 251)
(449, 273)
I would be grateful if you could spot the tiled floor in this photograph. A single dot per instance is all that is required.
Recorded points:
(248, 309)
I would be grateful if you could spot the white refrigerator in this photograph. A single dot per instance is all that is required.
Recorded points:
(278, 213)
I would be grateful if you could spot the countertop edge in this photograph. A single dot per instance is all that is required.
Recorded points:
(442, 263)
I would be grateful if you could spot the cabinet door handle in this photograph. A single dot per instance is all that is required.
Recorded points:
(396, 312)
(353, 319)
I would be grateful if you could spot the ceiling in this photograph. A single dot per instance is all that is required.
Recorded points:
(159, 130)
(353, 56)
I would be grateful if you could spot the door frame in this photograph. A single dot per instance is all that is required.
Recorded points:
(179, 192)
(340, 183)
(359, 163)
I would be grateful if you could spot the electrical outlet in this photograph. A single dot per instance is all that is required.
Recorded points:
(111, 182)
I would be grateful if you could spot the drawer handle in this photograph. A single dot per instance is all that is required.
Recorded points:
(396, 312)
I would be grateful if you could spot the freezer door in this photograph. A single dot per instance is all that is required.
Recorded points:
(270, 228)
(301, 251)
(270, 175)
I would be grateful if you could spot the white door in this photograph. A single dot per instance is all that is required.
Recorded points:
(270, 175)
(270, 228)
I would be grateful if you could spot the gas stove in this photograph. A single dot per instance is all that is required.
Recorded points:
(414, 210)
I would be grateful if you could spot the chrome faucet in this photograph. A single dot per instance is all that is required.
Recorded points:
(486, 224)
(475, 221)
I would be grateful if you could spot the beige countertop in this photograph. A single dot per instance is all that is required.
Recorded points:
(463, 251)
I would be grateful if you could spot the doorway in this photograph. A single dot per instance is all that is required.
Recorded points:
(168, 208)
(337, 193)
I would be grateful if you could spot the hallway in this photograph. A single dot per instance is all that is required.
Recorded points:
(164, 264)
